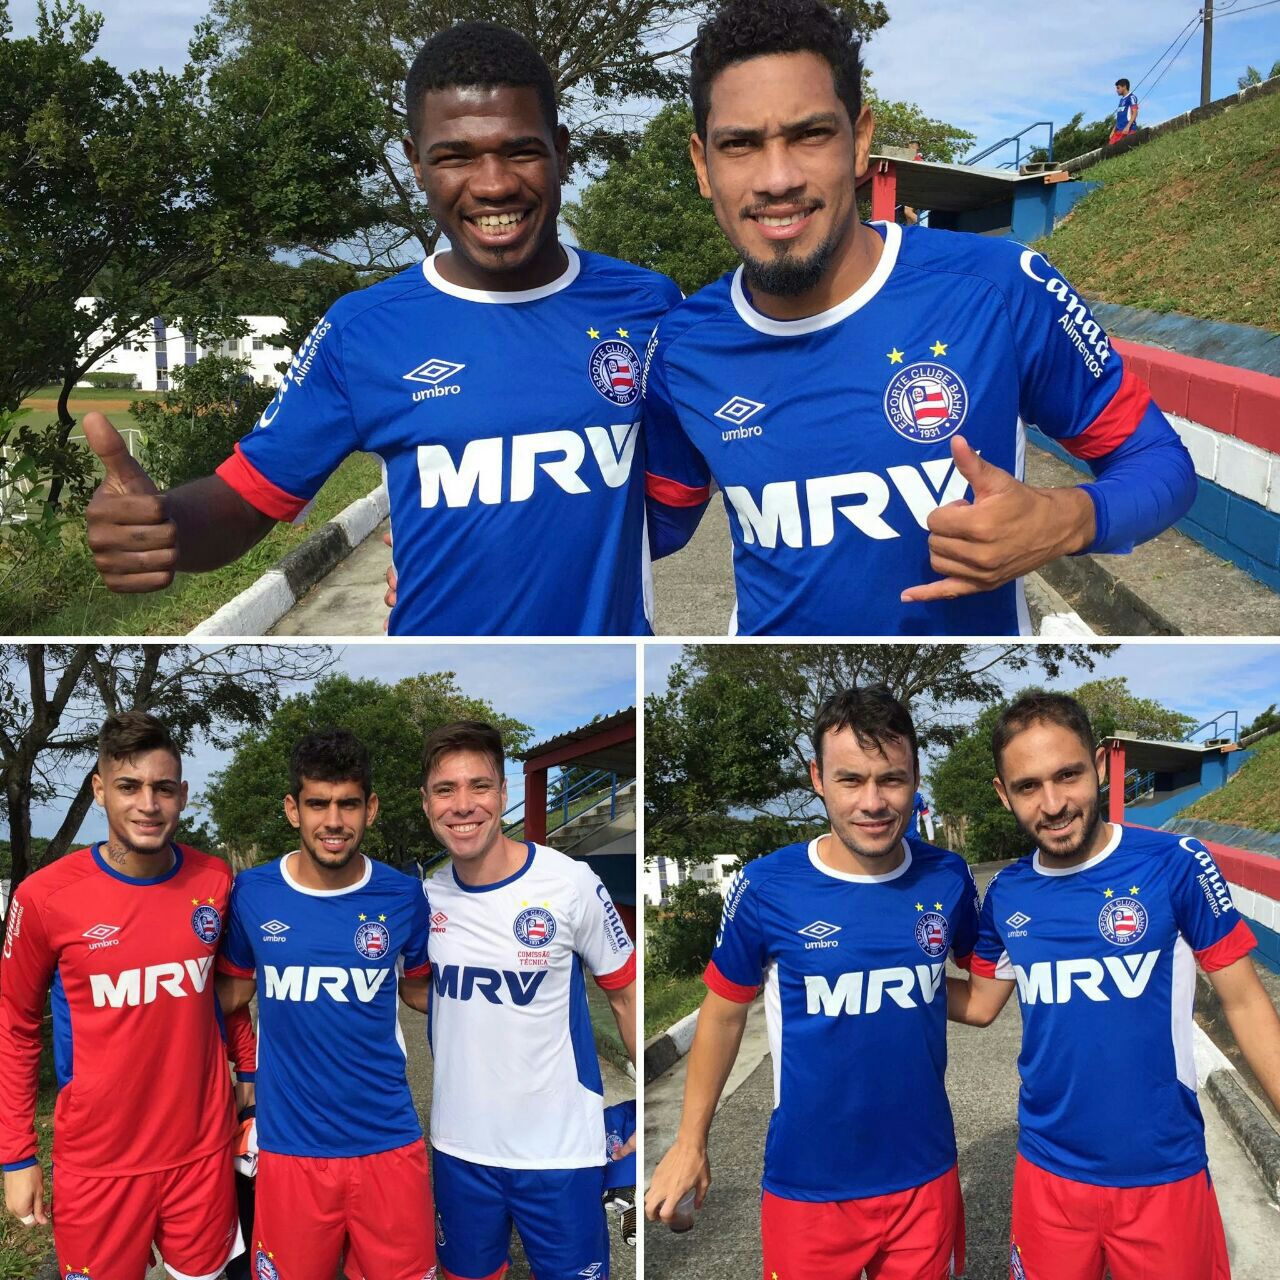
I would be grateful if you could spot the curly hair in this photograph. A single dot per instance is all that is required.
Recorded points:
(743, 29)
(478, 53)
(331, 755)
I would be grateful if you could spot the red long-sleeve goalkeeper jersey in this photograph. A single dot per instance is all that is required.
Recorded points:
(140, 1055)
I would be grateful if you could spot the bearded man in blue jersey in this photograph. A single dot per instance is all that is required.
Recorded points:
(1101, 929)
(858, 391)
(848, 934)
(499, 381)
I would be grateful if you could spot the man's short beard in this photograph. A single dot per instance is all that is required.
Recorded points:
(786, 276)
(1092, 820)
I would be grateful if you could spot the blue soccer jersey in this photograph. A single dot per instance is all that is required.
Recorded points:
(331, 1056)
(856, 1006)
(830, 436)
(1122, 111)
(508, 425)
(1104, 955)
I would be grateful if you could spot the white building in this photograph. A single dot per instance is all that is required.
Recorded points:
(660, 874)
(149, 356)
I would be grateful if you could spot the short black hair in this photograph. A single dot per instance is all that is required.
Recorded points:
(1039, 707)
(743, 29)
(478, 54)
(1122, 81)
(872, 714)
(331, 755)
(133, 733)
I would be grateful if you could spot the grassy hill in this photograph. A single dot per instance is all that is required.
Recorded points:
(1186, 222)
(1252, 797)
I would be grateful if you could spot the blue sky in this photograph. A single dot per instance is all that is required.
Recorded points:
(1202, 680)
(990, 66)
(553, 687)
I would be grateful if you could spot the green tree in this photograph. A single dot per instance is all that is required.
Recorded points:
(135, 191)
(194, 427)
(1113, 709)
(245, 799)
(647, 209)
(1263, 720)
(729, 739)
(607, 60)
(53, 699)
(1074, 139)
(1253, 76)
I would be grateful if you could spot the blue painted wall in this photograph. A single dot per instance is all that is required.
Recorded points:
(1177, 791)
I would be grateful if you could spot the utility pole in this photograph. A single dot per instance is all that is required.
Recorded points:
(1206, 57)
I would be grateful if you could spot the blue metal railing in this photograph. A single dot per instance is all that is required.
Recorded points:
(568, 795)
(1139, 783)
(1016, 139)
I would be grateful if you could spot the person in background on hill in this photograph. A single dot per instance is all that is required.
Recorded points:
(1126, 114)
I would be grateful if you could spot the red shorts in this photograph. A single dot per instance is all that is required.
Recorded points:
(1116, 135)
(916, 1234)
(1066, 1230)
(103, 1227)
(376, 1210)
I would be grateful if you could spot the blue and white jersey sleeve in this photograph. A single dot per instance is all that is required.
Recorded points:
(303, 434)
(964, 923)
(1203, 910)
(990, 959)
(738, 961)
(414, 956)
(237, 957)
(600, 937)
(677, 479)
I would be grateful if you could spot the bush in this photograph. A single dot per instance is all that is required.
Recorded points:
(195, 426)
(125, 380)
(684, 932)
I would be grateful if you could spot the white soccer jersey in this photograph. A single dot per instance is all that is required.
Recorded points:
(517, 1080)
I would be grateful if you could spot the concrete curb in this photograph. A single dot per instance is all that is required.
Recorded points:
(665, 1050)
(1255, 1135)
(259, 607)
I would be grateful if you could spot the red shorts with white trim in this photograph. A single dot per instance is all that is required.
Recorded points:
(916, 1234)
(375, 1212)
(1067, 1230)
(103, 1227)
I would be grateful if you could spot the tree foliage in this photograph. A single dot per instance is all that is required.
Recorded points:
(1114, 709)
(245, 799)
(53, 699)
(683, 931)
(1253, 76)
(1263, 720)
(1074, 139)
(730, 736)
(195, 426)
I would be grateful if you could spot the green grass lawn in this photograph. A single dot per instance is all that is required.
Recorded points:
(78, 603)
(22, 1249)
(1186, 222)
(1252, 797)
(667, 998)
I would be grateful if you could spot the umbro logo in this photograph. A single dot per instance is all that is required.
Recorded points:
(438, 922)
(101, 932)
(593, 1270)
(434, 373)
(820, 932)
(738, 410)
(1017, 924)
(274, 930)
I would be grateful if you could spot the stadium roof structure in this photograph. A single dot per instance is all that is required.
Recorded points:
(1153, 755)
(929, 184)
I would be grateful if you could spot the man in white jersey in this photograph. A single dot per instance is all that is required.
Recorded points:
(517, 1124)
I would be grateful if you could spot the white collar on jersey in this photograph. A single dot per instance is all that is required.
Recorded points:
(899, 870)
(324, 893)
(833, 315)
(1116, 831)
(562, 281)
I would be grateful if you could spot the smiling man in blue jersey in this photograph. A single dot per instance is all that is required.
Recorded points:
(849, 935)
(517, 1105)
(325, 936)
(498, 380)
(858, 391)
(1101, 930)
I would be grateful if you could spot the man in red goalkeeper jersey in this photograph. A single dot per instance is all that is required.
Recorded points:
(124, 935)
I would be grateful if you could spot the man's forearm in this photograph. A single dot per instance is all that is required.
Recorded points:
(623, 1004)
(711, 1058)
(216, 526)
(1256, 1027)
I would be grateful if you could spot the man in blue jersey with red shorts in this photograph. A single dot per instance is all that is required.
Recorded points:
(499, 381)
(329, 939)
(1101, 930)
(123, 936)
(849, 935)
(858, 392)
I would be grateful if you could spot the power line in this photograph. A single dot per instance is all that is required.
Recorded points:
(1195, 21)
(1174, 59)
(1233, 11)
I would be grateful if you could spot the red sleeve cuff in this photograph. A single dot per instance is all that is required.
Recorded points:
(418, 970)
(1115, 424)
(671, 493)
(1238, 943)
(721, 985)
(257, 490)
(983, 967)
(234, 970)
(623, 976)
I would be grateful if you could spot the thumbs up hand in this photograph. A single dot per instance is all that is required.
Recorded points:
(1005, 530)
(134, 543)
